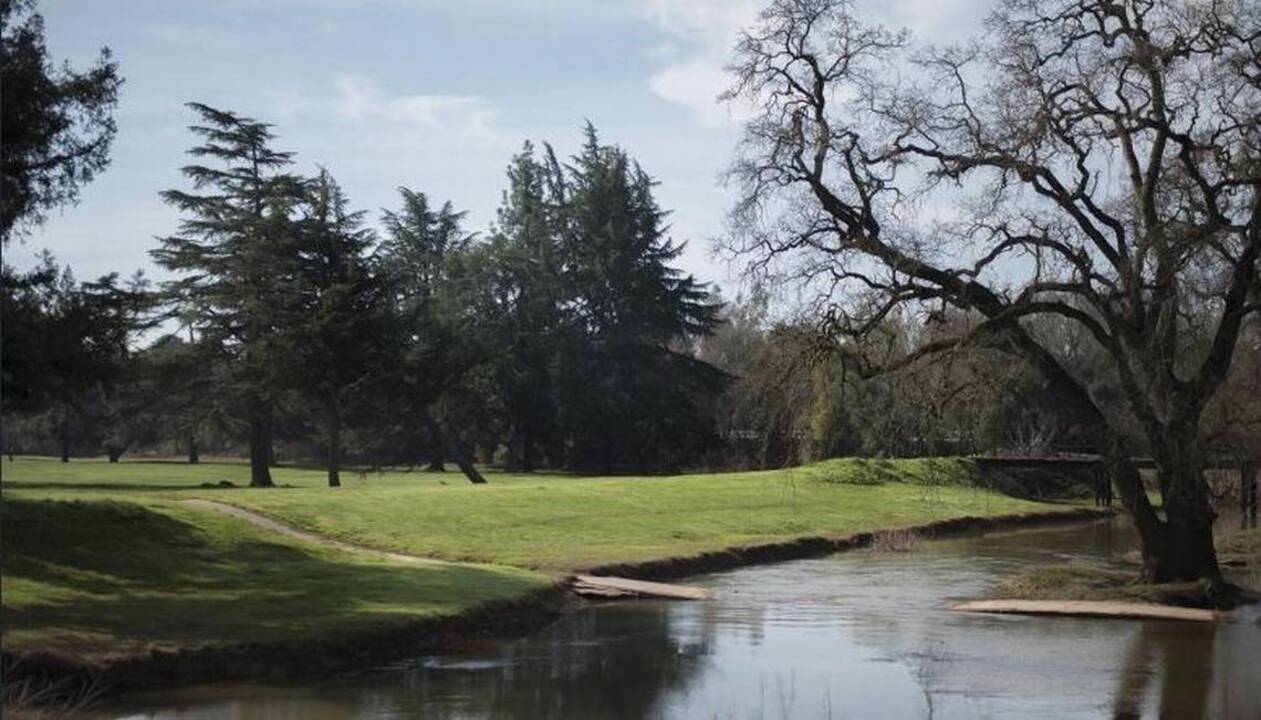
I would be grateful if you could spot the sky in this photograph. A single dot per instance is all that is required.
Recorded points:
(434, 95)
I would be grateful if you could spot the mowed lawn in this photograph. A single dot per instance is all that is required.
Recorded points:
(103, 559)
(94, 579)
(555, 522)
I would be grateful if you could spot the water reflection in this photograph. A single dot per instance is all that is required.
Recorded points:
(610, 664)
(855, 635)
(1153, 655)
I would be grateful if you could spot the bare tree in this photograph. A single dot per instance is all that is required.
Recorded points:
(1095, 161)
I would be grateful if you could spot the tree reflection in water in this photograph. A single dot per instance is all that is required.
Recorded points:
(1156, 648)
(609, 664)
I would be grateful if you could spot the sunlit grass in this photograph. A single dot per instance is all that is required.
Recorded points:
(104, 558)
(101, 578)
(556, 522)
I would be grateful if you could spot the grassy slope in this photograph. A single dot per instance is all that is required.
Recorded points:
(561, 523)
(103, 558)
(91, 579)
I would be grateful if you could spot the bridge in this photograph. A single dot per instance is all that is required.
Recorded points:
(1093, 464)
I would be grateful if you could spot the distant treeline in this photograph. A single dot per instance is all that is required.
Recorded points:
(562, 337)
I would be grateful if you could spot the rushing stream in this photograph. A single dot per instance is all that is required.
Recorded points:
(855, 635)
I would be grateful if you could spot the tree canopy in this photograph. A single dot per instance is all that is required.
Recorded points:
(58, 124)
(1095, 162)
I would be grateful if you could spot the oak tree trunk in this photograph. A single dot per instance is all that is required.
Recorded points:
(1188, 549)
(1180, 546)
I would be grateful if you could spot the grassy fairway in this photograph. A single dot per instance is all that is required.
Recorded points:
(554, 522)
(105, 558)
(88, 579)
(557, 523)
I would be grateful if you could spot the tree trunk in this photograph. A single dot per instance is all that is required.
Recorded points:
(193, 457)
(1181, 546)
(437, 449)
(606, 454)
(527, 449)
(437, 463)
(65, 437)
(521, 448)
(335, 448)
(466, 466)
(514, 450)
(114, 452)
(260, 452)
(454, 451)
(1129, 485)
(1188, 549)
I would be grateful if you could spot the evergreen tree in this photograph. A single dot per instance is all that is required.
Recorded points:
(628, 361)
(423, 258)
(525, 311)
(336, 331)
(178, 376)
(58, 124)
(66, 344)
(230, 256)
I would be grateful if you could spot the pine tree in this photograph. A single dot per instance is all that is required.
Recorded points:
(336, 332)
(526, 312)
(229, 254)
(421, 258)
(592, 321)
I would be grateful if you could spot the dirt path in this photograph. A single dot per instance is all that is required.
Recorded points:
(275, 526)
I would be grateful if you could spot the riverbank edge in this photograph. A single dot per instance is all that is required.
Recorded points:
(820, 545)
(363, 649)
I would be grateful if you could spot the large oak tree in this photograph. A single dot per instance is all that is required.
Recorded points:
(1095, 161)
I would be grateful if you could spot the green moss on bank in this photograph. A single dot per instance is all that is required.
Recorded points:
(1079, 582)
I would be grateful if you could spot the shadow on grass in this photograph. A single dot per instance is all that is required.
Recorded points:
(109, 577)
(130, 487)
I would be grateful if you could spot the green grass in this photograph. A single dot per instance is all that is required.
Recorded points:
(90, 579)
(105, 558)
(563, 523)
(1080, 582)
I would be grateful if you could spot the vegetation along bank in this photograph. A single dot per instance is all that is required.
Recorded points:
(110, 572)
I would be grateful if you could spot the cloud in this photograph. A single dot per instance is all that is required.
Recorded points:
(358, 98)
(452, 146)
(937, 21)
(704, 32)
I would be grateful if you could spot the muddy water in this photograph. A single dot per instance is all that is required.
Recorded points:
(856, 635)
